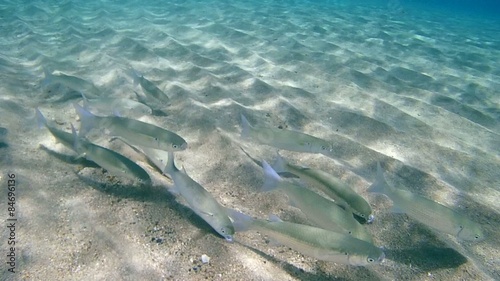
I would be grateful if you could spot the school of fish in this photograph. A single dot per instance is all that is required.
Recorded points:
(337, 215)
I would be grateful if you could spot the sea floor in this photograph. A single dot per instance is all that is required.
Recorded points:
(414, 90)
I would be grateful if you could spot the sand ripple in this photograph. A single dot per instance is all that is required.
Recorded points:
(415, 91)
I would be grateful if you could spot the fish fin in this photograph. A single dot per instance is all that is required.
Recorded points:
(87, 119)
(80, 156)
(206, 213)
(271, 178)
(245, 127)
(40, 119)
(183, 170)
(241, 222)
(76, 142)
(170, 167)
(274, 218)
(174, 190)
(379, 185)
(141, 98)
(85, 100)
(117, 113)
(279, 164)
(47, 79)
(250, 156)
(289, 175)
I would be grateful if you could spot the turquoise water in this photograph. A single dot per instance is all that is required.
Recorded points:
(412, 84)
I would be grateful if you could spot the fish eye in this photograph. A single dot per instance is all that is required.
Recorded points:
(174, 145)
(223, 230)
(370, 260)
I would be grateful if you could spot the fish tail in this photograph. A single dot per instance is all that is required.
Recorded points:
(40, 119)
(271, 178)
(379, 185)
(245, 127)
(279, 164)
(76, 142)
(85, 100)
(241, 222)
(135, 76)
(87, 119)
(170, 167)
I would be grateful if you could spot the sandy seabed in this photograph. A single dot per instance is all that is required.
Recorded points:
(417, 92)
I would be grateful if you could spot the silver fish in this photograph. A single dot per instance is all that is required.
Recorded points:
(72, 82)
(63, 137)
(110, 160)
(331, 186)
(134, 131)
(200, 200)
(312, 241)
(428, 212)
(118, 106)
(148, 87)
(284, 139)
(321, 211)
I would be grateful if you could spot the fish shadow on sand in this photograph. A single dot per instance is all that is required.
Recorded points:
(159, 195)
(320, 275)
(427, 258)
(70, 159)
(145, 193)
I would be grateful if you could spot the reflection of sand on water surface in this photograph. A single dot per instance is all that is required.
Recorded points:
(404, 91)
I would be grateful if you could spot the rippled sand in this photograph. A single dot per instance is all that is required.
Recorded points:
(417, 92)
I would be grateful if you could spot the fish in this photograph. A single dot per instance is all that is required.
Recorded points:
(148, 87)
(61, 136)
(428, 212)
(117, 106)
(312, 241)
(112, 161)
(283, 139)
(75, 83)
(330, 185)
(200, 200)
(108, 159)
(323, 212)
(156, 157)
(134, 131)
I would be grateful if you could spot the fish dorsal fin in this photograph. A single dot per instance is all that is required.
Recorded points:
(207, 213)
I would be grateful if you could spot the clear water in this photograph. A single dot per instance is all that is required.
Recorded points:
(413, 84)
